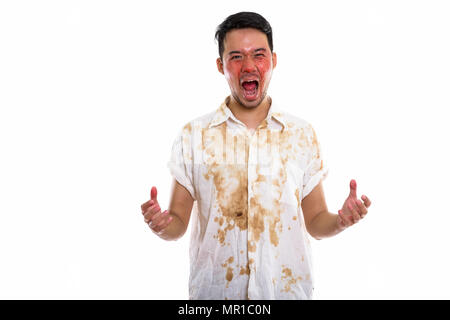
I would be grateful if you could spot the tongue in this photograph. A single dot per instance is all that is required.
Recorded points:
(251, 85)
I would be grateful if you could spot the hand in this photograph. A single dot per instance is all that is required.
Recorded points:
(353, 209)
(156, 220)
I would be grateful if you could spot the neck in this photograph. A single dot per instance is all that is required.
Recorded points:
(251, 117)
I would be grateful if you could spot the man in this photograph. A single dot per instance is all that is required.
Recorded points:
(255, 175)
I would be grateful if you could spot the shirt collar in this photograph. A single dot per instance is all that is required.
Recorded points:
(223, 113)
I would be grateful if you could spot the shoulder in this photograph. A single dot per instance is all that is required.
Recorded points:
(191, 132)
(198, 123)
(299, 129)
(293, 122)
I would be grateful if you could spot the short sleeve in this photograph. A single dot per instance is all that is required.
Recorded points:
(180, 163)
(315, 170)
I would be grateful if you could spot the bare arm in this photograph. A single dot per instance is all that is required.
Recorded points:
(170, 224)
(320, 223)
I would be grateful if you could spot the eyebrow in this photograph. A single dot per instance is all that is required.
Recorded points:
(239, 52)
(260, 49)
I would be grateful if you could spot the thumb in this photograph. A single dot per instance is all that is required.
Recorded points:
(153, 194)
(353, 188)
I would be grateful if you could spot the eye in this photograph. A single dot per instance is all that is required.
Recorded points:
(235, 57)
(259, 55)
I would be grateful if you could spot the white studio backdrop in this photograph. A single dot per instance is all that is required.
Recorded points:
(92, 94)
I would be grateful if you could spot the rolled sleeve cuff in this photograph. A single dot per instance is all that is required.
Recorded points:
(178, 174)
(314, 181)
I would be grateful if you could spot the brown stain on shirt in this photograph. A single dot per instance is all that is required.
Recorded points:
(245, 270)
(275, 222)
(221, 233)
(229, 275)
(269, 137)
(276, 183)
(231, 182)
(263, 124)
(297, 195)
(287, 272)
(186, 133)
(289, 279)
(219, 220)
(257, 221)
(260, 178)
(188, 128)
(260, 216)
(228, 261)
(270, 216)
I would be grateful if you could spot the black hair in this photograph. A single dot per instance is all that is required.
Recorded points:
(243, 20)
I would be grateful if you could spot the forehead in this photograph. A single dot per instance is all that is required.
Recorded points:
(245, 40)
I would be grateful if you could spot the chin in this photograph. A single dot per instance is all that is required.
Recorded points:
(253, 103)
(249, 104)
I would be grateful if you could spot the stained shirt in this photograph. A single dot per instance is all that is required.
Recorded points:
(248, 235)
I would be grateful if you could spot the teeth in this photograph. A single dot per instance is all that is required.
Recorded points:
(242, 84)
(249, 81)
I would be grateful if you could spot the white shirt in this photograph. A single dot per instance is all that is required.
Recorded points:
(248, 236)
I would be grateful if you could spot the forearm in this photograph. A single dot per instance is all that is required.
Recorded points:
(324, 225)
(175, 230)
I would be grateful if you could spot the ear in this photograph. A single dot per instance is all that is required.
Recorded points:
(274, 60)
(219, 65)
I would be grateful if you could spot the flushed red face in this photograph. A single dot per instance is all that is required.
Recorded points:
(247, 64)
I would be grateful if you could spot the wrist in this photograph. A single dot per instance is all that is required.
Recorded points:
(174, 231)
(340, 226)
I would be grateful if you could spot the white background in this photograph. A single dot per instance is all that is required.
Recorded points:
(93, 93)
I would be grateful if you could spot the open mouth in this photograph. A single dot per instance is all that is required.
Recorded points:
(250, 88)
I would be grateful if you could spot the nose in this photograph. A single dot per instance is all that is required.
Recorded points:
(248, 65)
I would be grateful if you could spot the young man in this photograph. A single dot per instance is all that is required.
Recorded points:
(255, 175)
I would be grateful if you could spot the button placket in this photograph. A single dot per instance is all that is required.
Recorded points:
(252, 175)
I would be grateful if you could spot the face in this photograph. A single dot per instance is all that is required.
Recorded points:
(247, 64)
